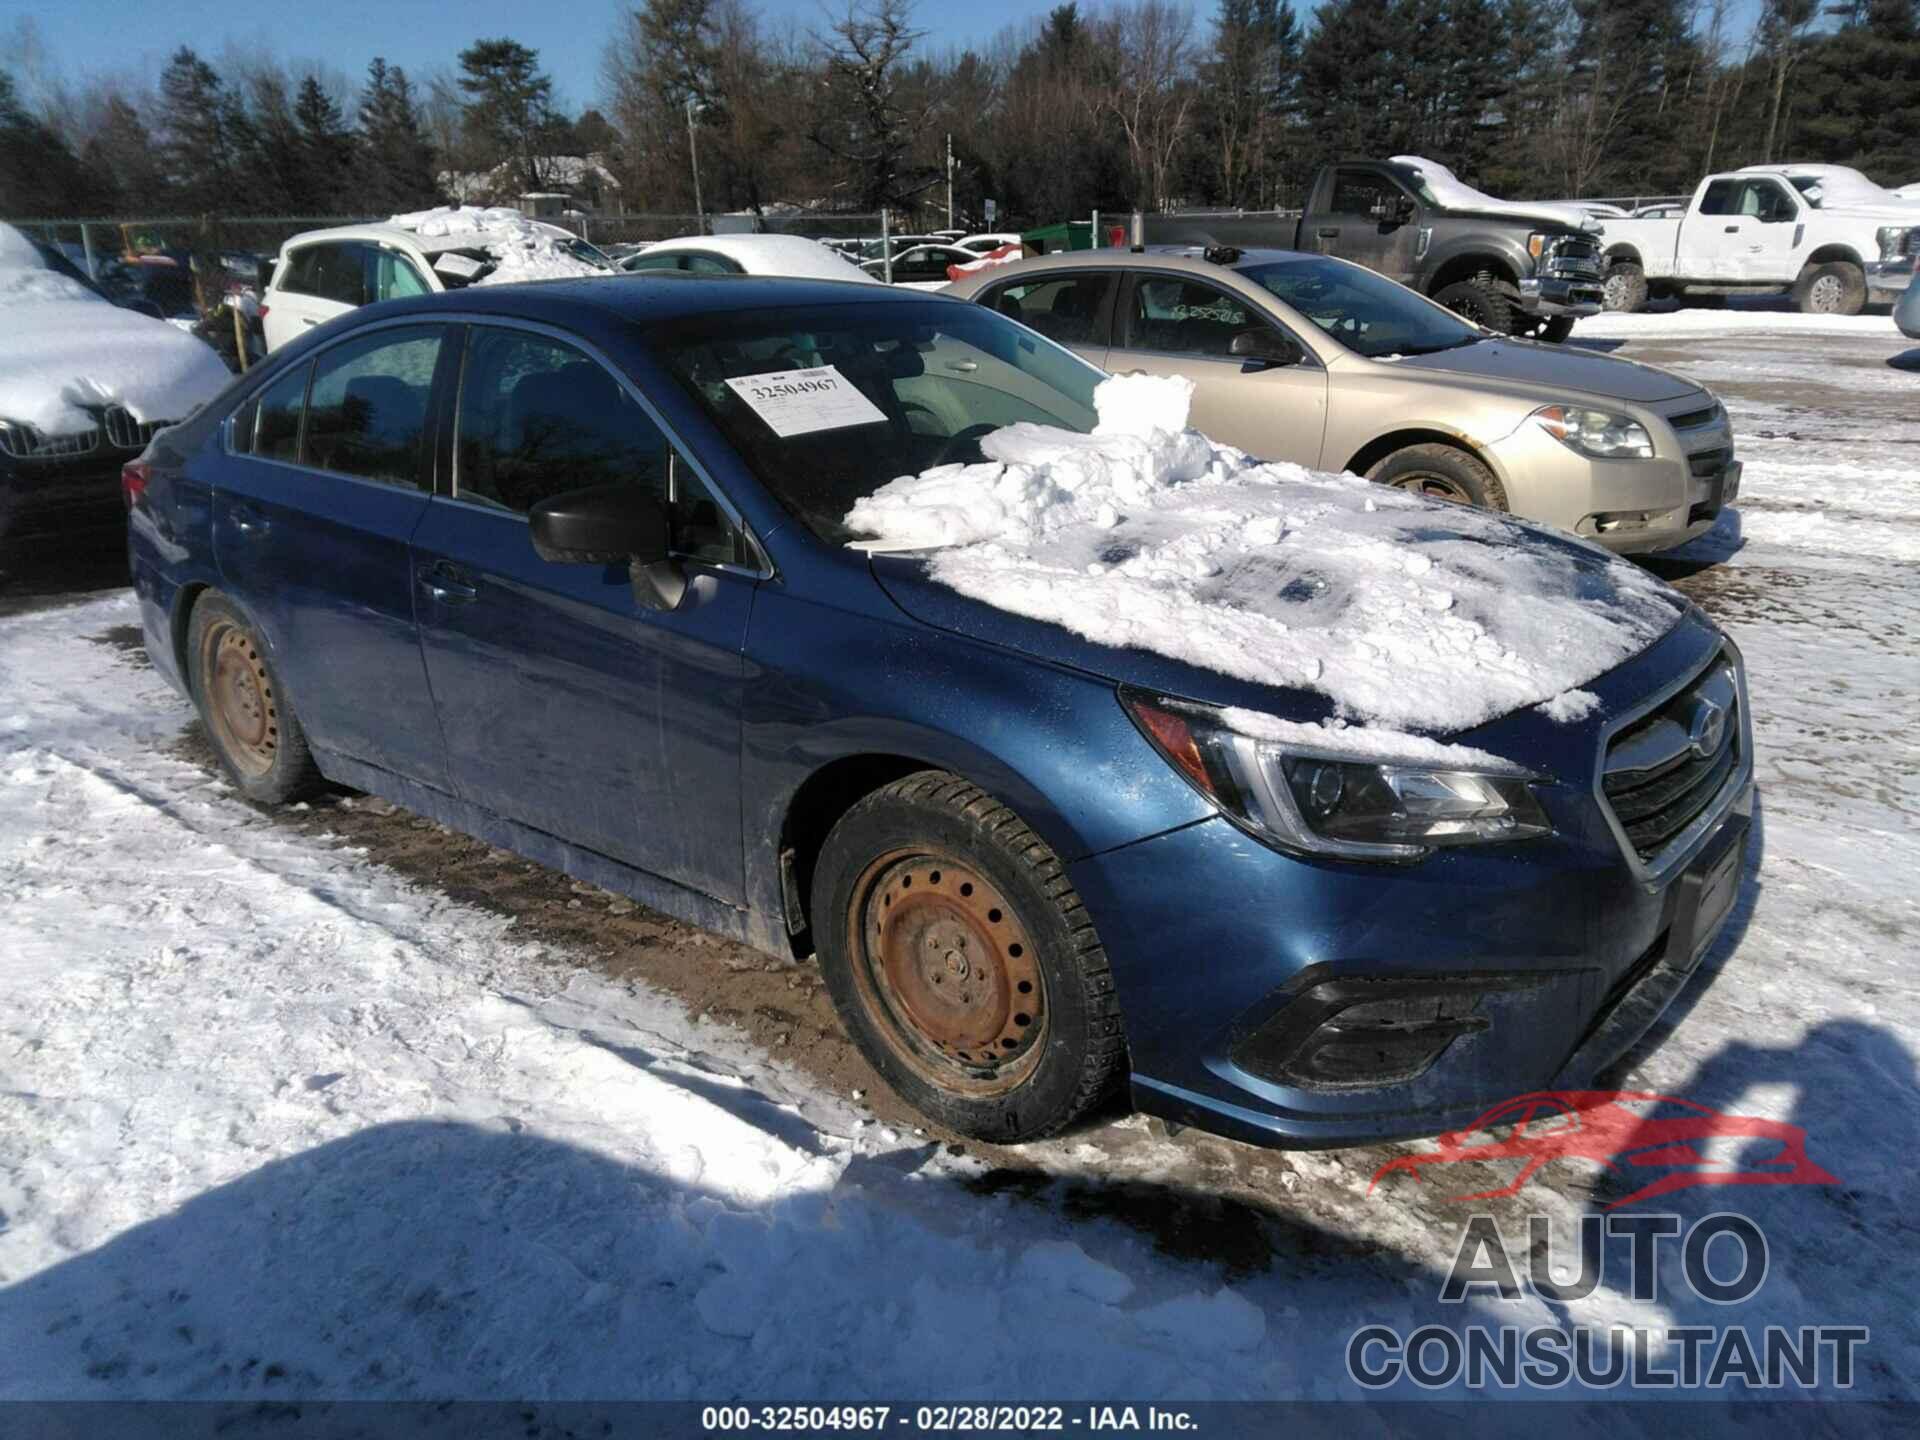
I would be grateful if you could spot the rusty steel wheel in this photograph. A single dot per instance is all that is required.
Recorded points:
(948, 968)
(963, 963)
(259, 742)
(240, 700)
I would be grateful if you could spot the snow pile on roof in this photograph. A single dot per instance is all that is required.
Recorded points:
(1836, 187)
(1453, 192)
(1404, 612)
(522, 249)
(68, 352)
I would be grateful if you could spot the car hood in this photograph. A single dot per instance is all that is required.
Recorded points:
(1150, 557)
(67, 355)
(1555, 369)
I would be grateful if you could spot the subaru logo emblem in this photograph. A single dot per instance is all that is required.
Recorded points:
(1708, 729)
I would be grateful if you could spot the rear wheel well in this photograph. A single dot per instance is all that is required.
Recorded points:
(1377, 450)
(1830, 254)
(183, 604)
(1469, 267)
(816, 807)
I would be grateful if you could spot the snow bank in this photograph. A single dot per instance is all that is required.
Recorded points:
(67, 349)
(1450, 190)
(1406, 613)
(1704, 324)
(523, 249)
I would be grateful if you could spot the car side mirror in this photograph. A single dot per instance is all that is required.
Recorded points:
(1268, 347)
(605, 524)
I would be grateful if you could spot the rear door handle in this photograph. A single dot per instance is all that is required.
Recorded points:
(1733, 229)
(963, 367)
(248, 521)
(1328, 234)
(308, 320)
(448, 586)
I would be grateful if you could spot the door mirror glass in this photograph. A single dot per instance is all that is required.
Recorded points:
(600, 525)
(1269, 346)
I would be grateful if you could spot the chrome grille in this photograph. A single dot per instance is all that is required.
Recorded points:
(1573, 257)
(128, 433)
(23, 442)
(1664, 770)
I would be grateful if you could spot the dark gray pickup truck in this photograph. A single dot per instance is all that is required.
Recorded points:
(1529, 275)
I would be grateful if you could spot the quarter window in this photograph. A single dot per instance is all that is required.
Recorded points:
(1065, 309)
(277, 434)
(538, 418)
(330, 272)
(367, 415)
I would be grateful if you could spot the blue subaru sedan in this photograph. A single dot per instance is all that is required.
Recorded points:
(523, 560)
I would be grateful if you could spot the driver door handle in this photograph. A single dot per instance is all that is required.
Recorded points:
(1333, 234)
(1733, 229)
(964, 367)
(448, 585)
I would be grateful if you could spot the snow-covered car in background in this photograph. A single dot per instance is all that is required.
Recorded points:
(84, 385)
(924, 267)
(325, 273)
(1829, 245)
(789, 255)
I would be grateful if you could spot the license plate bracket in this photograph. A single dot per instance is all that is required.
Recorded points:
(1706, 893)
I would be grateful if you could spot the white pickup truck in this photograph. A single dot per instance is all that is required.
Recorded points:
(1755, 232)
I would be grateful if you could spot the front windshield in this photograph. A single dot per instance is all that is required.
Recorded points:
(1365, 312)
(883, 390)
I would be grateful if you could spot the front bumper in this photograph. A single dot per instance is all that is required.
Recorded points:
(1519, 967)
(1632, 507)
(1540, 296)
(1888, 280)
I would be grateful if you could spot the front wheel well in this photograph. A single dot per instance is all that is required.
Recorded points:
(816, 807)
(1623, 255)
(1469, 268)
(1374, 451)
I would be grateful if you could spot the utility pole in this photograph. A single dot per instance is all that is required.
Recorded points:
(949, 179)
(693, 151)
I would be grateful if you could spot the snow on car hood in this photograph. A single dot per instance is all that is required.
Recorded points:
(523, 249)
(1454, 193)
(1406, 614)
(1558, 368)
(67, 349)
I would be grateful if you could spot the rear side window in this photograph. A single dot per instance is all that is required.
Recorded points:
(367, 414)
(394, 276)
(277, 432)
(710, 265)
(329, 272)
(1065, 309)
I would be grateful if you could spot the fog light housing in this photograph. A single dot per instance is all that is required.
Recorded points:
(1353, 1034)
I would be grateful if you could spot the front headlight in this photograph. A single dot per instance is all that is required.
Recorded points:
(1893, 241)
(1600, 434)
(1323, 802)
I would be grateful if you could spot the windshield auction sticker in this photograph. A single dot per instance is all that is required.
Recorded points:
(800, 402)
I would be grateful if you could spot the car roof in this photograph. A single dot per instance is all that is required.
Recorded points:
(594, 302)
(766, 249)
(392, 235)
(1190, 259)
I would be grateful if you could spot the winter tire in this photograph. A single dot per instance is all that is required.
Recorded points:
(1481, 304)
(963, 963)
(1441, 472)
(1835, 288)
(244, 707)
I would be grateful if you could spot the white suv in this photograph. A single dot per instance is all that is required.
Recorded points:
(325, 273)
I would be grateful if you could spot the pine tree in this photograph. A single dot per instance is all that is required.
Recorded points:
(39, 174)
(206, 136)
(326, 147)
(509, 109)
(395, 162)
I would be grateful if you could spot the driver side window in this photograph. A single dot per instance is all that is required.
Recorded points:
(539, 418)
(1174, 316)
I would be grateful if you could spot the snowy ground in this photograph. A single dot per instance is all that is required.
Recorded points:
(277, 1119)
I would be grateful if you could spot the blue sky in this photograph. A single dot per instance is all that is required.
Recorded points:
(419, 34)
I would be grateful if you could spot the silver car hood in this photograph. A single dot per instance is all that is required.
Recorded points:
(1555, 368)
